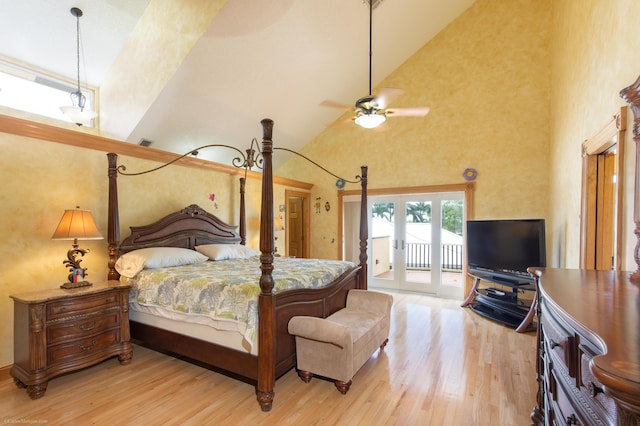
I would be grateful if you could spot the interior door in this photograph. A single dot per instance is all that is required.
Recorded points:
(297, 228)
(606, 211)
(602, 196)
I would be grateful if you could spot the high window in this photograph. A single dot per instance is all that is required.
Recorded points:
(34, 92)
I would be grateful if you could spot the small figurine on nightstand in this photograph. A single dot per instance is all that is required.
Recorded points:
(76, 273)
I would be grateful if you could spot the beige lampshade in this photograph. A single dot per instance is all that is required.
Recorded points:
(77, 224)
(277, 224)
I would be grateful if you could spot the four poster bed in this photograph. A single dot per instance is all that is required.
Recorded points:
(273, 351)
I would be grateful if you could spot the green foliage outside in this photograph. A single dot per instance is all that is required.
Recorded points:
(420, 212)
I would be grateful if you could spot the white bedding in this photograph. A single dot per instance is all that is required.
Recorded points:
(203, 329)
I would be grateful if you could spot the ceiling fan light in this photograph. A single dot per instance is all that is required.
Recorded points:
(370, 121)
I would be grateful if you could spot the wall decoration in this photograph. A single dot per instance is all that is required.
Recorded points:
(212, 197)
(340, 183)
(282, 208)
(327, 206)
(470, 174)
(317, 204)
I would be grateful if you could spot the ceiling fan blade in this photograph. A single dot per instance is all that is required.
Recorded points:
(332, 104)
(407, 112)
(386, 95)
(340, 123)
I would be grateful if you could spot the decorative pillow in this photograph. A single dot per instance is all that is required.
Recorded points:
(129, 264)
(226, 251)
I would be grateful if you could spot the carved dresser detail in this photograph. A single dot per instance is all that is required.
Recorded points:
(588, 340)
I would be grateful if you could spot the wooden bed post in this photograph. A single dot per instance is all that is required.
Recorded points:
(266, 300)
(243, 217)
(113, 221)
(364, 229)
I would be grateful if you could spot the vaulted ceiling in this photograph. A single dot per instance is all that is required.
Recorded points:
(185, 74)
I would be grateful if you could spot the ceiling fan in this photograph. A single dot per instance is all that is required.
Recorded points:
(371, 111)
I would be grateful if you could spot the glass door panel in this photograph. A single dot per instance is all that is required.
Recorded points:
(383, 243)
(451, 260)
(417, 245)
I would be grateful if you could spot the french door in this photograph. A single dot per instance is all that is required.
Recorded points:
(416, 242)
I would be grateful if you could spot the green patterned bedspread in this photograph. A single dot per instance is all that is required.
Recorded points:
(228, 290)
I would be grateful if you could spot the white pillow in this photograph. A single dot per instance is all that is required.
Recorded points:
(129, 264)
(226, 251)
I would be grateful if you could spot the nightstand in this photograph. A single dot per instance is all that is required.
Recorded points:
(58, 331)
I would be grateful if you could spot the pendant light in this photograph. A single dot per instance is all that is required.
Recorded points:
(369, 118)
(78, 112)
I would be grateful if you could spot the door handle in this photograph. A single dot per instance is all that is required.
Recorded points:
(395, 244)
(402, 244)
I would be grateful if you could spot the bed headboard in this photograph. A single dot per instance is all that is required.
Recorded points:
(186, 228)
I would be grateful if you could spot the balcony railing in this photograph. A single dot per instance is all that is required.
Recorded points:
(418, 256)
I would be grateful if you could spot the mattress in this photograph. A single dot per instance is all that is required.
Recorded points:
(217, 301)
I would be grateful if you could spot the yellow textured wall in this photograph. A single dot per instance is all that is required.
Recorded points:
(164, 35)
(41, 179)
(595, 54)
(486, 78)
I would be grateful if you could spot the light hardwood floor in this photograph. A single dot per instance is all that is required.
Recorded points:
(444, 365)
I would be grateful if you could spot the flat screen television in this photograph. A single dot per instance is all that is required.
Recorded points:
(506, 246)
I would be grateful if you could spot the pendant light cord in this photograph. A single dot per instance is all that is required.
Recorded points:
(370, 41)
(78, 14)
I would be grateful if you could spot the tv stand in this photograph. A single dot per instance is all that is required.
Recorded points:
(500, 300)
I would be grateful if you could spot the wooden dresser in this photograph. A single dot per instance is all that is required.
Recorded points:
(588, 364)
(57, 331)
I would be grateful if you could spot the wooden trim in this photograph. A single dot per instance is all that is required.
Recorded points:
(4, 371)
(340, 212)
(587, 212)
(600, 142)
(290, 182)
(452, 187)
(81, 139)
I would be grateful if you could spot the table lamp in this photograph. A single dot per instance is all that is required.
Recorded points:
(76, 225)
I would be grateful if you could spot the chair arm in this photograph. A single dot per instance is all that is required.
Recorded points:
(321, 330)
(371, 301)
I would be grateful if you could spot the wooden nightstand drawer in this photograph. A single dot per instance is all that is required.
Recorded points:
(81, 305)
(82, 347)
(64, 331)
